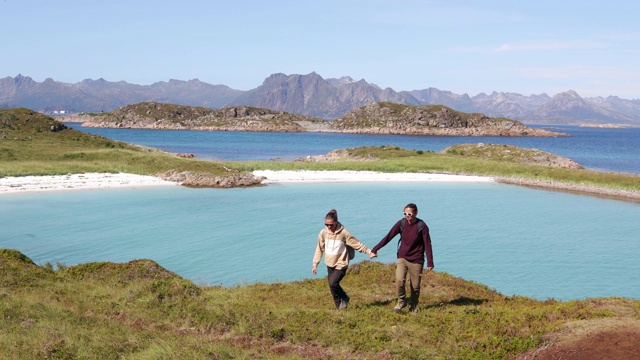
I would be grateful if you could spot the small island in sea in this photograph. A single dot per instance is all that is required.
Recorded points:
(375, 118)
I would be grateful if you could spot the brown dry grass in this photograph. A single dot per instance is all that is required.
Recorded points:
(593, 339)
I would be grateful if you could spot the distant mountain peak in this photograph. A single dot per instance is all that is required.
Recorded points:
(341, 81)
(309, 95)
(571, 93)
(20, 81)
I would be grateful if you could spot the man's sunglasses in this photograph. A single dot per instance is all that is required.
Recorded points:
(329, 225)
(408, 214)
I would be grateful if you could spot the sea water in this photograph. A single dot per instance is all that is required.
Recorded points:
(519, 241)
(594, 148)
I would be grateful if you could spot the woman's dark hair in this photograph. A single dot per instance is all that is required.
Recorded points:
(332, 215)
(412, 206)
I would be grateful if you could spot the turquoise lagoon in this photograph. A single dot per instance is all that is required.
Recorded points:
(517, 240)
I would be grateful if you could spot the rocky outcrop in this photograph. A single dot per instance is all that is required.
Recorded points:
(392, 118)
(195, 179)
(512, 153)
(375, 118)
(151, 115)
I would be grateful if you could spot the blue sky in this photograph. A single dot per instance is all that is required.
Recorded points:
(526, 47)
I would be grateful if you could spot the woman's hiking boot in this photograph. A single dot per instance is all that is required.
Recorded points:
(343, 304)
(399, 306)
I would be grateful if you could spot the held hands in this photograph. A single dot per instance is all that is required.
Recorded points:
(372, 255)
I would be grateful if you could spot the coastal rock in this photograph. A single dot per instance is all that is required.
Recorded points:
(194, 179)
(391, 118)
(152, 115)
(375, 118)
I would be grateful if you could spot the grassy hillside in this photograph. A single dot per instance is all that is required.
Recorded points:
(138, 310)
(35, 144)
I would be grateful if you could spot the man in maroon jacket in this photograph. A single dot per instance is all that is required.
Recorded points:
(414, 244)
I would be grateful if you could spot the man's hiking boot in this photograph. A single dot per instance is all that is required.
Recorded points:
(343, 304)
(399, 306)
(413, 309)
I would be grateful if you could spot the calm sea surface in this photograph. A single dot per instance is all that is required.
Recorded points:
(517, 240)
(597, 149)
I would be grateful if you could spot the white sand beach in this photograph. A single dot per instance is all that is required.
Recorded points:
(361, 176)
(24, 184)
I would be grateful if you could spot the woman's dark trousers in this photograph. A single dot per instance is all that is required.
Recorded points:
(334, 284)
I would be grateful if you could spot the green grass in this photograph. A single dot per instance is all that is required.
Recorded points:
(29, 147)
(139, 310)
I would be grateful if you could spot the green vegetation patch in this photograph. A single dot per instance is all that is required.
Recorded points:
(394, 159)
(16, 255)
(140, 310)
(35, 144)
(502, 152)
(157, 110)
(383, 152)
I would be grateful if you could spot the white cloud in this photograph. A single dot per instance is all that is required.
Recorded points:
(582, 72)
(551, 45)
(588, 81)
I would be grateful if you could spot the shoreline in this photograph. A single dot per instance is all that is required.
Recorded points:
(616, 194)
(95, 181)
(87, 181)
(288, 176)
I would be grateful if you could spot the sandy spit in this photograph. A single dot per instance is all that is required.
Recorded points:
(25, 184)
(361, 176)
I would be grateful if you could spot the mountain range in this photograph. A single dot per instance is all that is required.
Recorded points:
(309, 95)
